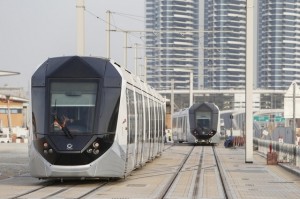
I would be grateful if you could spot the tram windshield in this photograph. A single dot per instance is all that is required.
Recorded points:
(203, 120)
(72, 107)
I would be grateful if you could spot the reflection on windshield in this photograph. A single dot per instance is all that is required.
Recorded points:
(203, 123)
(72, 107)
(203, 120)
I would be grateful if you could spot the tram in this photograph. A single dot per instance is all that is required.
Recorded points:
(92, 118)
(199, 123)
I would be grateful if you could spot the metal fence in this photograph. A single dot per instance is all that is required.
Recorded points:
(287, 153)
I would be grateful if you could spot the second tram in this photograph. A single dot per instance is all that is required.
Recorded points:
(198, 123)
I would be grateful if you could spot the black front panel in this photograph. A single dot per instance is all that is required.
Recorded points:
(80, 150)
(203, 120)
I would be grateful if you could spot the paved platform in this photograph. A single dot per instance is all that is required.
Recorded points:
(257, 179)
(242, 180)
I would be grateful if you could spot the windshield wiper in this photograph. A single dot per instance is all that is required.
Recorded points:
(62, 125)
(67, 132)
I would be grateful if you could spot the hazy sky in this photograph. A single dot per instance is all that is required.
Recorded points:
(33, 30)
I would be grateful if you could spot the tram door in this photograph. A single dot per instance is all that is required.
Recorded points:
(131, 118)
(179, 129)
(152, 128)
(146, 125)
(156, 131)
(174, 129)
(184, 128)
(161, 128)
(139, 129)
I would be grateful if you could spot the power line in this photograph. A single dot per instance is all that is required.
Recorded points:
(118, 29)
(130, 16)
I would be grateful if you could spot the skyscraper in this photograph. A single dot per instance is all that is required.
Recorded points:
(172, 45)
(225, 44)
(279, 44)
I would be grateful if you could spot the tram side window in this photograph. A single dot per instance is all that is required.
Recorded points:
(184, 125)
(152, 122)
(147, 123)
(130, 115)
(72, 106)
(114, 118)
(161, 122)
(139, 116)
(174, 124)
(180, 124)
(164, 117)
(156, 120)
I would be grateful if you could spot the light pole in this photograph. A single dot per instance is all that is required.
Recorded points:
(108, 34)
(80, 27)
(172, 102)
(125, 48)
(172, 91)
(294, 113)
(249, 80)
(231, 118)
(136, 60)
(191, 82)
(8, 114)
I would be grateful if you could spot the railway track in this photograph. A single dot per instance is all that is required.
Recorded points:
(67, 189)
(201, 171)
(182, 171)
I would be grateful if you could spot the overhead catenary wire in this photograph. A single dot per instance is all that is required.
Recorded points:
(130, 16)
(117, 29)
(141, 34)
(131, 32)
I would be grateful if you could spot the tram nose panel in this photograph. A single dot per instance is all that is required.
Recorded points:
(199, 131)
(63, 143)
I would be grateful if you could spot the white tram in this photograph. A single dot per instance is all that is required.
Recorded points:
(92, 118)
(198, 123)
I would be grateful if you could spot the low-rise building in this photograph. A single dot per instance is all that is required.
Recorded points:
(14, 115)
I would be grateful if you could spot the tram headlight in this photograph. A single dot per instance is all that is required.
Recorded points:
(94, 148)
(45, 145)
(47, 148)
(89, 150)
(95, 145)
(96, 151)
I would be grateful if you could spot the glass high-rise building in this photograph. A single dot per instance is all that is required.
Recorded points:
(172, 42)
(225, 44)
(279, 44)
